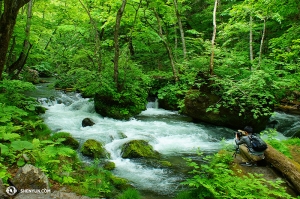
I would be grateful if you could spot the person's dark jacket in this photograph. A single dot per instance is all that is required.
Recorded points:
(246, 140)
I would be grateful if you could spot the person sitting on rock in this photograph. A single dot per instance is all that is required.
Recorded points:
(246, 151)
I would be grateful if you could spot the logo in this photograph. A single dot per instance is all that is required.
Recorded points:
(11, 190)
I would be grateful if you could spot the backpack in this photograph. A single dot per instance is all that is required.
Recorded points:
(257, 143)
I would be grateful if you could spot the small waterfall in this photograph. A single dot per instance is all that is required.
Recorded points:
(153, 104)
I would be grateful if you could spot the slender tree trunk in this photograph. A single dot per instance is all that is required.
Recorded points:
(251, 41)
(7, 24)
(181, 29)
(1, 4)
(130, 45)
(166, 44)
(175, 41)
(211, 68)
(19, 64)
(97, 38)
(116, 42)
(50, 39)
(262, 43)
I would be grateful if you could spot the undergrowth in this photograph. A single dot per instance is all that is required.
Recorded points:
(217, 180)
(25, 139)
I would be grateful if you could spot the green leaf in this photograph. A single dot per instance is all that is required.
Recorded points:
(21, 162)
(21, 145)
(4, 150)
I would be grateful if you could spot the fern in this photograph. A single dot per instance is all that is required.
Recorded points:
(217, 180)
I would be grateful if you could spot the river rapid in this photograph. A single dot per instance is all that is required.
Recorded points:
(171, 134)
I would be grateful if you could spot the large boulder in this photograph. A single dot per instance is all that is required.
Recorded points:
(198, 100)
(138, 149)
(94, 149)
(125, 107)
(30, 177)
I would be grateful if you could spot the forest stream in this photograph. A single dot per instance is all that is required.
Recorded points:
(171, 134)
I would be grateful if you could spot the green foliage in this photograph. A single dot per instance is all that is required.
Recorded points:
(12, 94)
(281, 145)
(255, 94)
(93, 181)
(130, 194)
(216, 180)
(44, 69)
(4, 175)
(68, 139)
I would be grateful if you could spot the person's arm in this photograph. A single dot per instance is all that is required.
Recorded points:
(239, 141)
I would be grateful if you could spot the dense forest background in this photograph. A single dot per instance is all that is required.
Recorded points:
(120, 49)
(122, 52)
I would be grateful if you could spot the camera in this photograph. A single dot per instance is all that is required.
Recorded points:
(239, 134)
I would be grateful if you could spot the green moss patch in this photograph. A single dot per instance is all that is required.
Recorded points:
(138, 149)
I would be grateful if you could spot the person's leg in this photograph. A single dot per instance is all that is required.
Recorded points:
(244, 153)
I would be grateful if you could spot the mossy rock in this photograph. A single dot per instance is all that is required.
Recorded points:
(40, 110)
(69, 140)
(138, 149)
(94, 149)
(109, 166)
(120, 183)
(164, 163)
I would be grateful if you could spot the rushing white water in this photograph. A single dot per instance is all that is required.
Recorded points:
(168, 132)
(171, 134)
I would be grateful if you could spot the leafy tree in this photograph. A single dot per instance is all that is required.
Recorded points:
(7, 23)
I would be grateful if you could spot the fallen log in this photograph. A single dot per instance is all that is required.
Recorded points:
(289, 168)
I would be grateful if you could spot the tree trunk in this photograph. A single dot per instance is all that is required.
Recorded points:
(1, 4)
(166, 44)
(50, 39)
(19, 64)
(116, 42)
(130, 45)
(97, 38)
(11, 58)
(7, 24)
(289, 168)
(251, 41)
(181, 29)
(261, 43)
(211, 68)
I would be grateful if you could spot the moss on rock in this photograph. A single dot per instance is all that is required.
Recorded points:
(69, 140)
(120, 183)
(93, 148)
(109, 166)
(138, 149)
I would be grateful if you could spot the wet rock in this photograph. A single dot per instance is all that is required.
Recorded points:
(94, 149)
(3, 194)
(87, 122)
(120, 183)
(30, 177)
(69, 140)
(138, 149)
(109, 166)
(121, 135)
